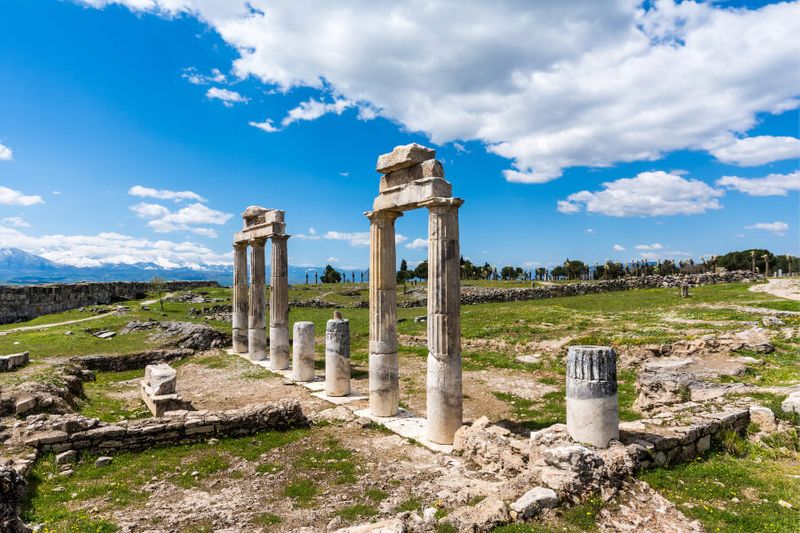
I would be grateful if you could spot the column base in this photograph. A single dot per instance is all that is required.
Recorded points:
(593, 421)
(279, 348)
(444, 397)
(384, 384)
(257, 344)
(240, 342)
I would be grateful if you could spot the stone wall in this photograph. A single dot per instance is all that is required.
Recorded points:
(18, 303)
(132, 361)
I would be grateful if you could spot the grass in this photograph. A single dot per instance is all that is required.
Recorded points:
(101, 401)
(333, 458)
(302, 491)
(577, 519)
(358, 510)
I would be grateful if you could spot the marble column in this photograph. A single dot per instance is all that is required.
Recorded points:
(303, 352)
(256, 321)
(444, 394)
(337, 356)
(279, 305)
(592, 410)
(240, 297)
(384, 380)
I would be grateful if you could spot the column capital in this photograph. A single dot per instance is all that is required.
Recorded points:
(238, 245)
(383, 215)
(442, 202)
(259, 242)
(280, 237)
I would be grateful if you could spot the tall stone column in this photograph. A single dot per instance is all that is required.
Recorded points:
(256, 321)
(384, 379)
(279, 305)
(240, 297)
(444, 395)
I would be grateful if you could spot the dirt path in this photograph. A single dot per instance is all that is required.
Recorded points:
(788, 288)
(68, 322)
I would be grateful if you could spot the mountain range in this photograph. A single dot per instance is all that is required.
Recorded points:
(18, 267)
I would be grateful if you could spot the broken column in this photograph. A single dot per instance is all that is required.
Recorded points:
(444, 394)
(337, 356)
(303, 352)
(256, 322)
(159, 390)
(384, 379)
(592, 416)
(279, 305)
(240, 298)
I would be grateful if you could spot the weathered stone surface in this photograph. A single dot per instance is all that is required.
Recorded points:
(427, 169)
(792, 403)
(103, 460)
(413, 195)
(592, 412)
(763, 417)
(303, 352)
(485, 516)
(337, 357)
(161, 378)
(279, 304)
(391, 525)
(402, 157)
(533, 502)
(68, 457)
(14, 360)
(12, 494)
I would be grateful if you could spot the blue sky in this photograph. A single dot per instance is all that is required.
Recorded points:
(658, 131)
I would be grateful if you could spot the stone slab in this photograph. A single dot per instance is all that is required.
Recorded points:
(427, 169)
(14, 360)
(408, 425)
(265, 231)
(412, 195)
(341, 400)
(403, 156)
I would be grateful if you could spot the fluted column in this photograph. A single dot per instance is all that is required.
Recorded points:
(256, 321)
(384, 381)
(279, 305)
(240, 297)
(444, 395)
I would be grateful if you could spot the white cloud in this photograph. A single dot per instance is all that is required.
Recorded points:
(195, 78)
(310, 236)
(56, 193)
(589, 231)
(109, 248)
(12, 197)
(754, 151)
(5, 153)
(266, 125)
(227, 96)
(332, 260)
(771, 185)
(162, 220)
(648, 194)
(163, 194)
(418, 244)
(654, 246)
(313, 109)
(547, 85)
(618, 248)
(666, 254)
(778, 228)
(358, 238)
(16, 222)
(344, 174)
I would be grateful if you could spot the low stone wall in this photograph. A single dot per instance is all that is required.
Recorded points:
(12, 492)
(133, 361)
(18, 303)
(74, 432)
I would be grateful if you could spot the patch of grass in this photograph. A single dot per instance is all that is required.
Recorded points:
(376, 495)
(411, 504)
(536, 414)
(358, 510)
(266, 519)
(302, 491)
(626, 395)
(268, 468)
(205, 465)
(102, 397)
(251, 448)
(331, 458)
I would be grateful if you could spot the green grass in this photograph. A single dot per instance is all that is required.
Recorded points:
(537, 414)
(101, 403)
(358, 510)
(302, 491)
(332, 458)
(411, 504)
(266, 519)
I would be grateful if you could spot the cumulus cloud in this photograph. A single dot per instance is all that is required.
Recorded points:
(226, 96)
(310, 236)
(665, 254)
(15, 222)
(163, 194)
(771, 185)
(618, 248)
(195, 78)
(5, 153)
(266, 125)
(111, 248)
(654, 246)
(547, 85)
(358, 238)
(754, 151)
(12, 197)
(313, 109)
(163, 220)
(778, 228)
(418, 244)
(648, 194)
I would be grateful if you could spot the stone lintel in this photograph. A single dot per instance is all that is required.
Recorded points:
(412, 195)
(255, 216)
(403, 156)
(266, 231)
(427, 169)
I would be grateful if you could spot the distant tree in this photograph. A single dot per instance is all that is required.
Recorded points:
(421, 271)
(541, 272)
(404, 274)
(159, 287)
(574, 269)
(331, 275)
(559, 272)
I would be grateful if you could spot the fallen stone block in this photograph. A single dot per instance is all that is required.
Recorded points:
(103, 460)
(161, 378)
(763, 417)
(533, 502)
(68, 457)
(14, 360)
(403, 156)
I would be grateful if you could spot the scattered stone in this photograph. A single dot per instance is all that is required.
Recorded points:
(772, 321)
(533, 502)
(25, 405)
(161, 378)
(485, 516)
(421, 318)
(14, 360)
(764, 418)
(105, 334)
(67, 457)
(103, 460)
(533, 358)
(785, 504)
(792, 403)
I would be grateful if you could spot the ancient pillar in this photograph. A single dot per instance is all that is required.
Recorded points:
(444, 396)
(256, 322)
(384, 381)
(592, 416)
(240, 298)
(337, 356)
(303, 352)
(279, 305)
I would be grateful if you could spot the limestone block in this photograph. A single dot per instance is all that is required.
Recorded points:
(763, 417)
(403, 156)
(485, 516)
(303, 352)
(103, 460)
(25, 405)
(412, 195)
(533, 502)
(703, 444)
(792, 403)
(427, 169)
(11, 361)
(67, 457)
(161, 378)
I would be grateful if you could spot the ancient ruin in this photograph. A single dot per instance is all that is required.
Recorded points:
(412, 178)
(249, 308)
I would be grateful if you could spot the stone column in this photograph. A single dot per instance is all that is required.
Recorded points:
(337, 356)
(592, 416)
(256, 322)
(444, 395)
(240, 298)
(303, 352)
(279, 305)
(384, 379)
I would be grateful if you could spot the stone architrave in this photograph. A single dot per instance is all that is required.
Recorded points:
(412, 178)
(279, 305)
(303, 351)
(240, 297)
(256, 321)
(384, 378)
(337, 356)
(592, 411)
